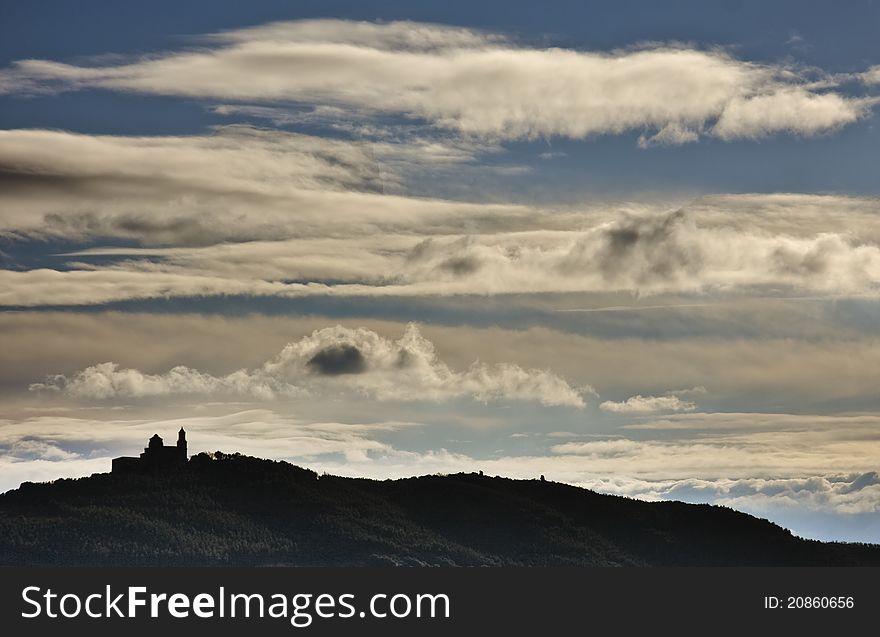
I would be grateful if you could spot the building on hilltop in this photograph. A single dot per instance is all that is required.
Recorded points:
(156, 456)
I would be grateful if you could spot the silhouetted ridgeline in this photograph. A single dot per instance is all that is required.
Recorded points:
(234, 509)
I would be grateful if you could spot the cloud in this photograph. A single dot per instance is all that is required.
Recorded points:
(697, 390)
(29, 449)
(472, 82)
(790, 109)
(737, 421)
(777, 454)
(238, 184)
(252, 213)
(872, 75)
(832, 507)
(108, 380)
(748, 352)
(647, 404)
(682, 251)
(673, 134)
(646, 254)
(851, 493)
(333, 359)
(338, 359)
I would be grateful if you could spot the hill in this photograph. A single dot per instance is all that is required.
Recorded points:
(238, 510)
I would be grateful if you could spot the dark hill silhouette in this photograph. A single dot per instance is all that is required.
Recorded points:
(233, 509)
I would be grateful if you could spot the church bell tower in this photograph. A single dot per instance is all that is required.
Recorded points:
(181, 444)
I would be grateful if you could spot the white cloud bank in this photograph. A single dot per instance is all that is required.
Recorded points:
(851, 494)
(334, 359)
(474, 83)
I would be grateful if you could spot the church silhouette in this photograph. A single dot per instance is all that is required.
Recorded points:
(157, 456)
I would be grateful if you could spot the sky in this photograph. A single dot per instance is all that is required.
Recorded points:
(630, 246)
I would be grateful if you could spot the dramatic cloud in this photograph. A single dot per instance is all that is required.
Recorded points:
(684, 251)
(648, 404)
(252, 213)
(335, 358)
(770, 300)
(472, 82)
